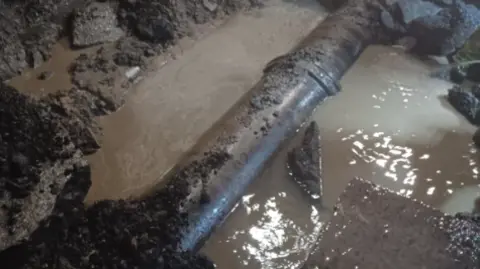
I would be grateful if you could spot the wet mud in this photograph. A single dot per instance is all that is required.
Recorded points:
(305, 162)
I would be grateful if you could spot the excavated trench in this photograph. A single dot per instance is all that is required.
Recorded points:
(390, 125)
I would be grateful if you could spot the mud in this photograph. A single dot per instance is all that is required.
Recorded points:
(305, 162)
(101, 82)
(375, 228)
(38, 161)
(122, 234)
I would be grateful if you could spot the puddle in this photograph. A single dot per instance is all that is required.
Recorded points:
(30, 83)
(390, 125)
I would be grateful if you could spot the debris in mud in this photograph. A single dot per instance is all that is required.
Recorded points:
(110, 234)
(305, 162)
(372, 222)
(98, 74)
(132, 52)
(94, 24)
(37, 161)
(46, 75)
(466, 103)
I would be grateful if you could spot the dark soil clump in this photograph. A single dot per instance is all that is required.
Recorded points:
(123, 234)
(305, 162)
(37, 161)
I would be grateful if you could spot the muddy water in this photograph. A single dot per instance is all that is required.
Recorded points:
(390, 125)
(63, 56)
(172, 107)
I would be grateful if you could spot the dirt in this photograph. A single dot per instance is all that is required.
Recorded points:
(372, 222)
(38, 160)
(305, 162)
(46, 173)
(122, 234)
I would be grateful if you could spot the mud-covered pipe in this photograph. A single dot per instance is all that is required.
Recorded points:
(235, 150)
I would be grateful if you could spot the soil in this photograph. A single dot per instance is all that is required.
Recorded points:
(305, 162)
(37, 160)
(43, 140)
(122, 234)
(372, 222)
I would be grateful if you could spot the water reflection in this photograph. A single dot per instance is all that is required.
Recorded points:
(389, 126)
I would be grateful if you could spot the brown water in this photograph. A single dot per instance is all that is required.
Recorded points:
(390, 125)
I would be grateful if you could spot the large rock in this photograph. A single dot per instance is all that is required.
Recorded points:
(95, 23)
(37, 160)
(440, 27)
(378, 229)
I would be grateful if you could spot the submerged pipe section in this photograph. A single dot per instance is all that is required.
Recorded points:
(235, 150)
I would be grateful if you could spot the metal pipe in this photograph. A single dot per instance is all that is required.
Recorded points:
(291, 88)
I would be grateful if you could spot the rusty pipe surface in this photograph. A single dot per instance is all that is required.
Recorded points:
(235, 150)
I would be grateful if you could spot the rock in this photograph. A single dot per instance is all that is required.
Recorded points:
(447, 31)
(37, 161)
(95, 23)
(46, 75)
(473, 72)
(305, 162)
(465, 103)
(210, 5)
(372, 222)
(155, 22)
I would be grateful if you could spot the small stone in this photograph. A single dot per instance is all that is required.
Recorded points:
(465, 103)
(211, 6)
(476, 138)
(45, 75)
